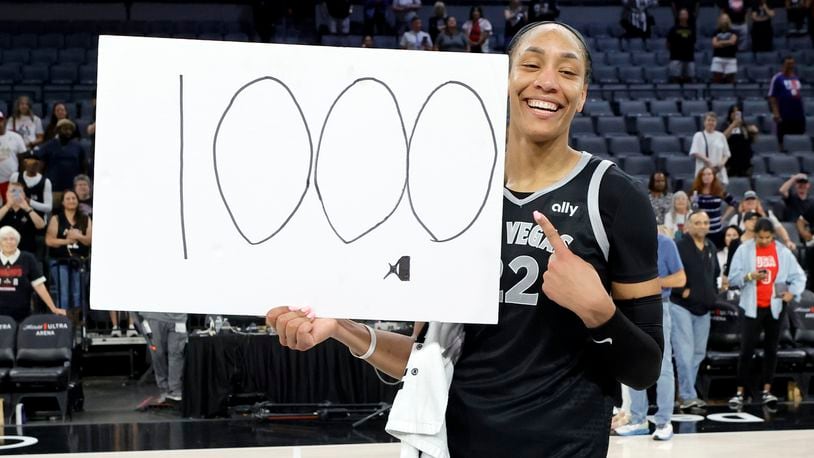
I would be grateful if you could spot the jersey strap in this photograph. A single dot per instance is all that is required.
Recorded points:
(593, 207)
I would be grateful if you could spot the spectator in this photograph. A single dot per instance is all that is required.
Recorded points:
(708, 195)
(762, 32)
(84, 192)
(739, 138)
(37, 188)
(415, 38)
(26, 123)
(769, 276)
(11, 144)
(405, 11)
(516, 15)
(19, 275)
(710, 149)
(452, 39)
(115, 331)
(58, 112)
(478, 30)
(737, 11)
(732, 235)
(690, 309)
(675, 219)
(367, 42)
(167, 334)
(671, 275)
(796, 200)
(636, 21)
(804, 224)
(724, 51)
(339, 13)
(786, 101)
(375, 21)
(16, 212)
(691, 6)
(751, 204)
(64, 157)
(681, 43)
(748, 233)
(543, 10)
(91, 129)
(69, 236)
(438, 21)
(796, 16)
(660, 196)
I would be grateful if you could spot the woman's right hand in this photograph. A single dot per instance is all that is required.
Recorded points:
(298, 329)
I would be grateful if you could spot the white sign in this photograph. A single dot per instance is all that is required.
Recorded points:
(234, 177)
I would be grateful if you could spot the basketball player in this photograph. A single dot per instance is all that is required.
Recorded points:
(541, 381)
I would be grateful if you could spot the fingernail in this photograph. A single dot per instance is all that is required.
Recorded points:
(311, 315)
(305, 309)
(291, 308)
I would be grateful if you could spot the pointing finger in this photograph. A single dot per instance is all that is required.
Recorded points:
(551, 233)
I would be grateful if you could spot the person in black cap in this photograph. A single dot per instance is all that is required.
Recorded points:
(795, 196)
(751, 203)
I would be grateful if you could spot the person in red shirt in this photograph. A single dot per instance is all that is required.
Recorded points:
(769, 277)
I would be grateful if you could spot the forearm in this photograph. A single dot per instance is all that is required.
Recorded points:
(42, 292)
(676, 280)
(392, 350)
(40, 206)
(636, 343)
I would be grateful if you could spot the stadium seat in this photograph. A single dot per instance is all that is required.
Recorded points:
(765, 144)
(64, 74)
(47, 56)
(737, 186)
(624, 146)
(641, 91)
(16, 56)
(51, 40)
(24, 40)
(72, 56)
(782, 164)
(721, 107)
(631, 74)
(87, 74)
(593, 145)
(633, 108)
(8, 334)
(668, 91)
(650, 125)
(582, 125)
(663, 145)
(797, 143)
(611, 126)
(634, 45)
(618, 59)
(9, 74)
(756, 107)
(759, 73)
(694, 107)
(751, 91)
(597, 108)
(768, 185)
(638, 165)
(723, 91)
(664, 108)
(722, 346)
(771, 58)
(35, 74)
(44, 353)
(80, 40)
(644, 59)
(605, 74)
(806, 160)
(680, 167)
(657, 74)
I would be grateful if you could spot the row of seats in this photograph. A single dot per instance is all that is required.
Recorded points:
(48, 56)
(673, 107)
(619, 144)
(608, 126)
(35, 358)
(770, 170)
(703, 41)
(658, 73)
(48, 74)
(662, 56)
(702, 90)
(795, 357)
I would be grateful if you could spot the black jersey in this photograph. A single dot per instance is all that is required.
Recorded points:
(533, 385)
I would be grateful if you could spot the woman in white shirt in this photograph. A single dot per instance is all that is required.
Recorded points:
(675, 218)
(26, 123)
(710, 148)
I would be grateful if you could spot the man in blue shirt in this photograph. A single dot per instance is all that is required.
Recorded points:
(671, 275)
(786, 100)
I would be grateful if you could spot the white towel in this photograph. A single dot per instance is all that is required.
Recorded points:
(418, 415)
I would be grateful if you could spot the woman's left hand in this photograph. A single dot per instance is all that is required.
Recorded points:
(788, 296)
(791, 245)
(573, 283)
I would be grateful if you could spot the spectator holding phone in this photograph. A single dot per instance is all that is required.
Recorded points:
(769, 276)
(415, 38)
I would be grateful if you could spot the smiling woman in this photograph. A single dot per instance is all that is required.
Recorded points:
(579, 296)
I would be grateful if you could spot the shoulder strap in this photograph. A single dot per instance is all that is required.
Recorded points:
(593, 207)
(706, 143)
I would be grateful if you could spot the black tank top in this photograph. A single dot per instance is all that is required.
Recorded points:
(68, 251)
(531, 385)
